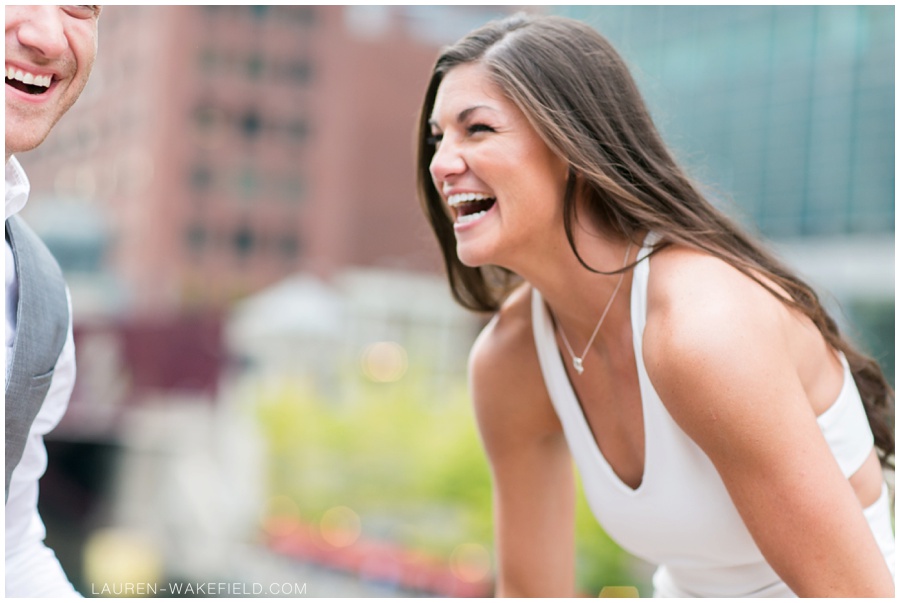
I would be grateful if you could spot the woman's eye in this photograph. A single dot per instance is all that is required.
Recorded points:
(475, 128)
(436, 138)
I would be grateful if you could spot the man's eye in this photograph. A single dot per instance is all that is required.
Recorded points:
(82, 11)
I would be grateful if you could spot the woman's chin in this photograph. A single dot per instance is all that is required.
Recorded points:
(473, 258)
(471, 263)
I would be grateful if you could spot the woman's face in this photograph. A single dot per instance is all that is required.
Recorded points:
(502, 184)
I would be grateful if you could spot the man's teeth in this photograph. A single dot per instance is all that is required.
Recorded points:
(454, 200)
(28, 78)
(470, 217)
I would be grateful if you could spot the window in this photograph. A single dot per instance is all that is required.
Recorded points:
(300, 71)
(297, 130)
(197, 238)
(259, 11)
(201, 178)
(248, 182)
(251, 124)
(244, 240)
(255, 66)
(293, 188)
(288, 246)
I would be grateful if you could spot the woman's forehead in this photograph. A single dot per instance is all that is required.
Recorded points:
(466, 88)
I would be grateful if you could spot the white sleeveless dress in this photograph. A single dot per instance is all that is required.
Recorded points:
(681, 517)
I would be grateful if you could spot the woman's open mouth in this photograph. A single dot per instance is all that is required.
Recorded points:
(469, 207)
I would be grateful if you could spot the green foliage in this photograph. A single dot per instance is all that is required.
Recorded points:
(390, 453)
(408, 462)
(601, 562)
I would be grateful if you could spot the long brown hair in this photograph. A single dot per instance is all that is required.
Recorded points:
(579, 96)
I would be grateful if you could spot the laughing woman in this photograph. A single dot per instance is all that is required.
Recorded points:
(722, 426)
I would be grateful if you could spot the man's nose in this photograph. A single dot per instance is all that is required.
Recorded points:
(42, 29)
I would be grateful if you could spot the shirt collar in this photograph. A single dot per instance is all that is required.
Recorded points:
(17, 187)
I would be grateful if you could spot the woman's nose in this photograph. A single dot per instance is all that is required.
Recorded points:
(446, 163)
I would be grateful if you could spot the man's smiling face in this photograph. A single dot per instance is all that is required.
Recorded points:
(50, 51)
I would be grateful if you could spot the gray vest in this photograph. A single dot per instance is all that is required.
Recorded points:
(42, 321)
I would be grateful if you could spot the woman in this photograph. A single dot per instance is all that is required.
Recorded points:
(722, 427)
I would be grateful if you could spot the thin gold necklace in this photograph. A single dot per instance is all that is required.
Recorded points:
(578, 361)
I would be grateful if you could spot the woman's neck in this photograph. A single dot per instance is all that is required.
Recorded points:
(577, 296)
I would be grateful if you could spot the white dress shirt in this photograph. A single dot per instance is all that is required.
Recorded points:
(32, 569)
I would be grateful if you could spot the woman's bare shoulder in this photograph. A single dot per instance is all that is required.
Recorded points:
(726, 357)
(503, 342)
(507, 386)
(697, 299)
(710, 325)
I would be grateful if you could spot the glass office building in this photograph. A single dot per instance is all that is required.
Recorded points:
(786, 114)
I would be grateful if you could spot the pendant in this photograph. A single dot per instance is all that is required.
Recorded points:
(579, 367)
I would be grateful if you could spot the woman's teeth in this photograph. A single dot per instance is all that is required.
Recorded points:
(465, 219)
(459, 198)
(469, 207)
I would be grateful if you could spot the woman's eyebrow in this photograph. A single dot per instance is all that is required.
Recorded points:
(462, 116)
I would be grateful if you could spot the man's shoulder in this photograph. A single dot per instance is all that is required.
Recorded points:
(17, 187)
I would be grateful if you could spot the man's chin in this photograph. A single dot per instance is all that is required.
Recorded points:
(26, 130)
(22, 145)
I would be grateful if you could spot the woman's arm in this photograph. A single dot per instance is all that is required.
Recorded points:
(531, 467)
(722, 353)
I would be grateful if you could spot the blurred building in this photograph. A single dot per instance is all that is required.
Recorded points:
(218, 149)
(223, 159)
(786, 114)
(383, 325)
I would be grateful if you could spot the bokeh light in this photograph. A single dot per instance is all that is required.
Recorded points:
(384, 362)
(340, 526)
(281, 516)
(121, 557)
(470, 562)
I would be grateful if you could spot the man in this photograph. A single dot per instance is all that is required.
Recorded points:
(49, 54)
